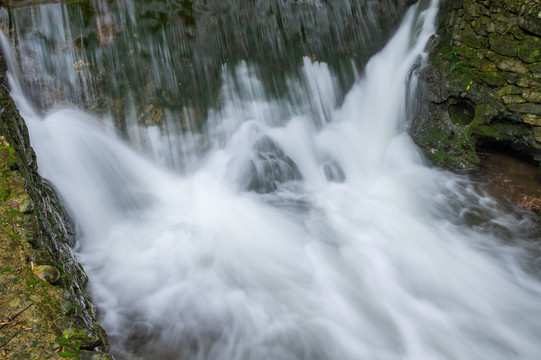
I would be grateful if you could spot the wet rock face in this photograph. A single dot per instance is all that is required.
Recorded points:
(168, 54)
(42, 302)
(483, 85)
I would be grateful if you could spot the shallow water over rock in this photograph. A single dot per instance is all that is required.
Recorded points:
(511, 180)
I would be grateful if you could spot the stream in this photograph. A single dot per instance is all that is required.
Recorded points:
(292, 217)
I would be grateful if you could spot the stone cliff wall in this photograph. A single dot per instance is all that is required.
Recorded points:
(483, 87)
(44, 311)
(107, 63)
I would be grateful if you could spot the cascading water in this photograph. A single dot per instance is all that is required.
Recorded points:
(159, 62)
(310, 229)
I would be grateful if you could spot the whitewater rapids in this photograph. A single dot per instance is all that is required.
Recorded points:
(309, 228)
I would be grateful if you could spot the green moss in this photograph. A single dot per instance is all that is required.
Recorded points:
(4, 194)
(440, 157)
(7, 270)
(69, 354)
(455, 63)
(75, 339)
(16, 215)
(507, 132)
(4, 188)
(450, 149)
(534, 56)
(492, 78)
(12, 158)
(461, 113)
(32, 282)
(60, 268)
(528, 50)
(453, 159)
(19, 182)
(464, 51)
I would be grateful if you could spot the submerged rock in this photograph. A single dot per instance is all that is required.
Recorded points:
(530, 203)
(270, 167)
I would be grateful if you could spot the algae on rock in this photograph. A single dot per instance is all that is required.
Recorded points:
(41, 283)
(483, 84)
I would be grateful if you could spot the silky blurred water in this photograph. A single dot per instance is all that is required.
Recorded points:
(152, 69)
(308, 227)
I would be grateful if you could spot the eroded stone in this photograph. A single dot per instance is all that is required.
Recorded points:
(513, 99)
(471, 38)
(532, 96)
(528, 82)
(504, 45)
(473, 8)
(513, 65)
(532, 119)
(530, 24)
(527, 108)
(529, 50)
(508, 90)
(535, 68)
(537, 133)
(19, 200)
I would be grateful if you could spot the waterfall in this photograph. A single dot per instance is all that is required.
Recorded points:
(309, 228)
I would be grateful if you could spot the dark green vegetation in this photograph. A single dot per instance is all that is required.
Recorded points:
(484, 83)
(44, 311)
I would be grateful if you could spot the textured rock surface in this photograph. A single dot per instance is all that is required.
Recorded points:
(44, 311)
(484, 83)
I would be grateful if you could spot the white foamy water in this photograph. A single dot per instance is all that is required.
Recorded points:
(310, 229)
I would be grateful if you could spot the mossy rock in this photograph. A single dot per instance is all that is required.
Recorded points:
(474, 9)
(529, 50)
(535, 68)
(33, 223)
(513, 65)
(47, 273)
(492, 78)
(531, 24)
(461, 113)
(19, 200)
(471, 38)
(93, 355)
(489, 92)
(528, 108)
(504, 45)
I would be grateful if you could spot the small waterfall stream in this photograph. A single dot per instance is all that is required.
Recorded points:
(309, 227)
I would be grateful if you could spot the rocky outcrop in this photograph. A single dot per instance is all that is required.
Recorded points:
(44, 311)
(483, 85)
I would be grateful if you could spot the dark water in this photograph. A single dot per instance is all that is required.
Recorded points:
(510, 179)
